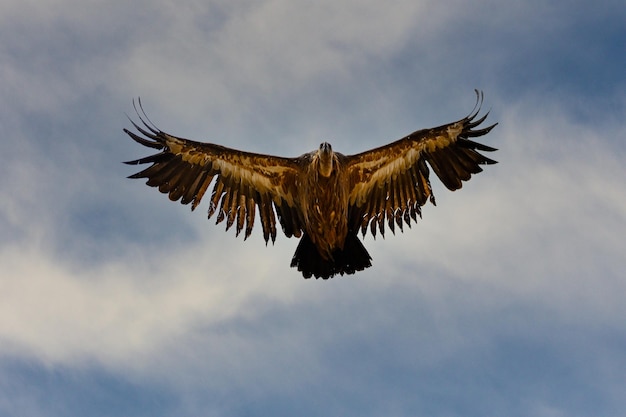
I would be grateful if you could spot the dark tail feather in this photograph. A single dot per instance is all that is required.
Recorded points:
(352, 258)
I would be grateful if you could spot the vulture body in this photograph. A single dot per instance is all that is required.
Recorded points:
(323, 197)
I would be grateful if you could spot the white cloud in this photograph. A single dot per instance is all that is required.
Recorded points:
(259, 53)
(62, 313)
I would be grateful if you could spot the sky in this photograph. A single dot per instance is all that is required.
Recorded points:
(506, 299)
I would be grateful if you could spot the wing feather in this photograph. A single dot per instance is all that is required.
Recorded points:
(392, 182)
(243, 181)
(251, 204)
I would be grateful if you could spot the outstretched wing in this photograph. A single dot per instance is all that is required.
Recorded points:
(392, 182)
(244, 181)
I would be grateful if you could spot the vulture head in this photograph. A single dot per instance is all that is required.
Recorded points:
(325, 159)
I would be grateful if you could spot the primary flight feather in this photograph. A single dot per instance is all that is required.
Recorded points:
(323, 197)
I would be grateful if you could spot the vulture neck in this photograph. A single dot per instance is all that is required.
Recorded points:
(325, 159)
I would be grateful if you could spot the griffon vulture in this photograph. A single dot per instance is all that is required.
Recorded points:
(323, 197)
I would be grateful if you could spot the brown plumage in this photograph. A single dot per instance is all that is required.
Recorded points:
(323, 197)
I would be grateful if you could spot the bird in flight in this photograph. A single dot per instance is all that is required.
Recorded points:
(323, 197)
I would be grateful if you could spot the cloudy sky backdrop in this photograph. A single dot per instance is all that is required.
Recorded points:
(507, 299)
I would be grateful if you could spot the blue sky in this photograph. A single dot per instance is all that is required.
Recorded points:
(505, 300)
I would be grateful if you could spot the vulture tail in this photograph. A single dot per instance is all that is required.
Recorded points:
(353, 257)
